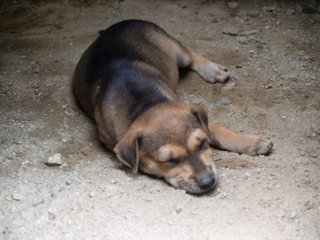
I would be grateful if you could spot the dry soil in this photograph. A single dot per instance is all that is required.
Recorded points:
(272, 51)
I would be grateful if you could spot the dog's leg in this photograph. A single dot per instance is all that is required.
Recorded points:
(186, 58)
(209, 71)
(252, 145)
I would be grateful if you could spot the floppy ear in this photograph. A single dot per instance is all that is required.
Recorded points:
(127, 150)
(202, 116)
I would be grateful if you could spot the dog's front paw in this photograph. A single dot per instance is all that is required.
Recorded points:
(258, 146)
(215, 73)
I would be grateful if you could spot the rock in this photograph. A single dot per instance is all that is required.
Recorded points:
(231, 222)
(261, 41)
(55, 160)
(178, 209)
(197, 101)
(248, 32)
(18, 196)
(269, 9)
(290, 11)
(92, 194)
(269, 86)
(51, 216)
(288, 77)
(229, 86)
(233, 5)
(293, 215)
(230, 30)
(253, 13)
(243, 40)
(222, 102)
(35, 68)
(247, 175)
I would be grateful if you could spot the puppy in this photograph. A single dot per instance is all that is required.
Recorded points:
(125, 81)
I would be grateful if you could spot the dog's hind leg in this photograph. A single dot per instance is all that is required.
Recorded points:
(226, 139)
(186, 58)
(209, 71)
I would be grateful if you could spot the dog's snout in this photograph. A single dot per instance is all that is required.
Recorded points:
(206, 181)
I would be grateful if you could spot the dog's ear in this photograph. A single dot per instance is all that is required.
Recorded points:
(202, 116)
(127, 150)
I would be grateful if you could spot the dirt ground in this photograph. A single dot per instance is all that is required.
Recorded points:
(273, 53)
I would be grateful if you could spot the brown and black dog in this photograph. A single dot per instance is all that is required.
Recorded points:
(126, 80)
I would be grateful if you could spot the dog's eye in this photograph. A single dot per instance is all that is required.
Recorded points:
(173, 162)
(203, 145)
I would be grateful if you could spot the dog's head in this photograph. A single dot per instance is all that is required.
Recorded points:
(171, 141)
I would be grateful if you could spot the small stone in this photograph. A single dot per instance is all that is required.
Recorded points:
(230, 222)
(229, 86)
(269, 9)
(247, 175)
(261, 41)
(35, 68)
(51, 216)
(293, 215)
(288, 77)
(230, 30)
(243, 40)
(253, 13)
(223, 102)
(290, 11)
(68, 182)
(197, 101)
(233, 5)
(92, 194)
(55, 160)
(178, 209)
(18, 197)
(113, 181)
(223, 195)
(269, 86)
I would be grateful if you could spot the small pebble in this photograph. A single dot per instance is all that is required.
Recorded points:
(230, 222)
(18, 197)
(253, 13)
(243, 40)
(51, 216)
(293, 215)
(233, 31)
(197, 101)
(55, 160)
(178, 209)
(270, 9)
(92, 194)
(223, 102)
(291, 11)
(229, 86)
(247, 175)
(269, 86)
(233, 5)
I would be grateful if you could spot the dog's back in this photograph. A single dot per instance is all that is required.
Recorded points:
(123, 61)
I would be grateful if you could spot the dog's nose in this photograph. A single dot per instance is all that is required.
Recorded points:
(206, 181)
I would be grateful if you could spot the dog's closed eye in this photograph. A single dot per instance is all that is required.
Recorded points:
(173, 162)
(204, 145)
